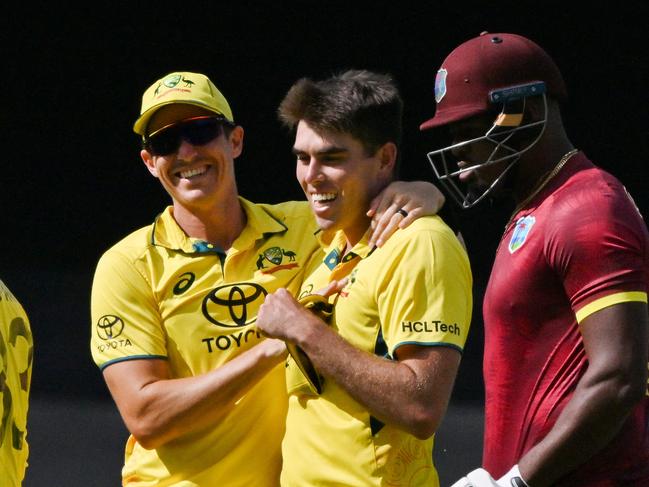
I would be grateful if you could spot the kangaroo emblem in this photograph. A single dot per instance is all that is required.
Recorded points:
(275, 255)
(290, 254)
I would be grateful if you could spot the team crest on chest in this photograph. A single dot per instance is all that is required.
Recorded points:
(275, 256)
(351, 280)
(521, 231)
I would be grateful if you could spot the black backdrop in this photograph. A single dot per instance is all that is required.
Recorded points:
(72, 182)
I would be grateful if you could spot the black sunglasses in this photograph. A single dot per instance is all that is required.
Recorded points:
(196, 131)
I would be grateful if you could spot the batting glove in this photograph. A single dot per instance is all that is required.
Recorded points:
(481, 478)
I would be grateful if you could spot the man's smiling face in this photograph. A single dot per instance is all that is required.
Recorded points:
(339, 178)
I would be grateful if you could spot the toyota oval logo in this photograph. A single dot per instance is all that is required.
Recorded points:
(109, 327)
(234, 305)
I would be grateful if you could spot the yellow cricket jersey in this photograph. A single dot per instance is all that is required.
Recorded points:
(416, 289)
(159, 294)
(16, 358)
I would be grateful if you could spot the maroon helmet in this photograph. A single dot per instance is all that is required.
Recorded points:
(488, 63)
(490, 73)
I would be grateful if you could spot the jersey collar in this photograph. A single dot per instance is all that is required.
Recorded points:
(260, 224)
(334, 248)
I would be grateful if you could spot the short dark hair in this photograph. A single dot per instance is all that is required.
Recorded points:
(361, 103)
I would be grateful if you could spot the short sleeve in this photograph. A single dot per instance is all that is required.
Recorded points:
(596, 244)
(126, 323)
(425, 295)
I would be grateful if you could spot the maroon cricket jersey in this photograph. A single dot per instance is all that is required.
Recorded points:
(582, 242)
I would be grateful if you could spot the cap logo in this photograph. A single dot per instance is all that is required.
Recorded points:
(172, 81)
(440, 84)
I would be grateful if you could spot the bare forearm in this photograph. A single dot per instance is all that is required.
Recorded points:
(163, 409)
(615, 340)
(588, 423)
(350, 368)
(419, 383)
(414, 404)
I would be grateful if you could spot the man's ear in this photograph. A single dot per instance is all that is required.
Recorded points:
(236, 139)
(147, 158)
(388, 156)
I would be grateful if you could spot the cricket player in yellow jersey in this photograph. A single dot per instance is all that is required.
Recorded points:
(174, 304)
(16, 358)
(389, 357)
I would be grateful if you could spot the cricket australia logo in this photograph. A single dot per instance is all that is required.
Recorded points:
(275, 256)
(172, 81)
(523, 228)
(350, 281)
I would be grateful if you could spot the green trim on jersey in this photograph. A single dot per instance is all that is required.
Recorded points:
(131, 357)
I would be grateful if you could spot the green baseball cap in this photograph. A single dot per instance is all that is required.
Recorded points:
(181, 87)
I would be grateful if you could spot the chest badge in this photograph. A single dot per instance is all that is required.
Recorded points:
(275, 256)
(521, 231)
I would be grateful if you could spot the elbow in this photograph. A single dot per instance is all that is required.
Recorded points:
(625, 391)
(146, 433)
(632, 385)
(633, 391)
(423, 424)
(148, 442)
(423, 431)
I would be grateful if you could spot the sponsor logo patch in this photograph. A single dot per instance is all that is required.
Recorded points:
(233, 305)
(184, 283)
(109, 327)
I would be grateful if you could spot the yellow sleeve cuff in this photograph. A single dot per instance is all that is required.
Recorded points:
(610, 300)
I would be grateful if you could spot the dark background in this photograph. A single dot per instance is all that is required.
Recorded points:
(73, 184)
